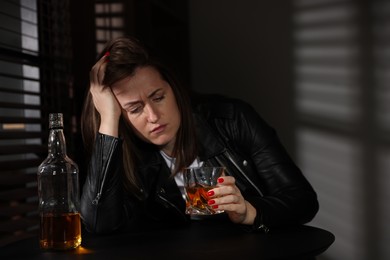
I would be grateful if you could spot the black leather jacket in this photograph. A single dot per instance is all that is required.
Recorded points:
(230, 134)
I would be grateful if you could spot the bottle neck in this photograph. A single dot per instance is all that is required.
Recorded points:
(57, 144)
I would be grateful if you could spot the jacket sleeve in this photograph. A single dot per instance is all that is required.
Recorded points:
(102, 208)
(288, 198)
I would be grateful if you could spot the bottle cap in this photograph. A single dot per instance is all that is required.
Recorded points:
(55, 121)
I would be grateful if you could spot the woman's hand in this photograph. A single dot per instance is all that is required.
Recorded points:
(228, 197)
(104, 100)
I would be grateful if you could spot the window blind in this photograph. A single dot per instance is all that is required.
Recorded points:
(341, 56)
(35, 80)
(327, 94)
(109, 21)
(20, 133)
(381, 52)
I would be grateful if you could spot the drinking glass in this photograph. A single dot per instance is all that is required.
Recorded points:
(197, 182)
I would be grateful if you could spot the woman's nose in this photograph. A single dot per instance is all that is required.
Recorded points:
(152, 114)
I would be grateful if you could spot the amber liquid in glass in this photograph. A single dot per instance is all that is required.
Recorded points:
(197, 201)
(198, 196)
(60, 232)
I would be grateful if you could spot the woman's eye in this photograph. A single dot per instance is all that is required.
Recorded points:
(134, 110)
(158, 98)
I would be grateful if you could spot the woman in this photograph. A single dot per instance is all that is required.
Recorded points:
(141, 130)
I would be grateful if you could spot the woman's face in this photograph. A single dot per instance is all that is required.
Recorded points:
(149, 105)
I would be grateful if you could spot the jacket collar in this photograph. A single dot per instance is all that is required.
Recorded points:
(209, 143)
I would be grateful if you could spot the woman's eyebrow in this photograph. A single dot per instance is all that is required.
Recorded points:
(131, 103)
(154, 92)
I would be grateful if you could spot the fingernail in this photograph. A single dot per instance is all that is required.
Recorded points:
(210, 193)
(215, 206)
(220, 180)
(107, 54)
(211, 202)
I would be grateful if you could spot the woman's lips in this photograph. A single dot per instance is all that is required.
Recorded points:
(159, 129)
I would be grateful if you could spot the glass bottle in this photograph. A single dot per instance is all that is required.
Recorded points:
(58, 193)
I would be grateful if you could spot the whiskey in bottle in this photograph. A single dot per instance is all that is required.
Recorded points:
(58, 193)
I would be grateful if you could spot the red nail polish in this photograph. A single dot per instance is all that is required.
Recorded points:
(211, 202)
(215, 207)
(107, 53)
(220, 180)
(210, 193)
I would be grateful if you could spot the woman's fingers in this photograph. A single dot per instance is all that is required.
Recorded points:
(226, 185)
(226, 192)
(228, 197)
(103, 97)
(226, 180)
(101, 71)
(98, 70)
(97, 76)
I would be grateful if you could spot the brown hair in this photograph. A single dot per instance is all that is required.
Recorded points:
(126, 55)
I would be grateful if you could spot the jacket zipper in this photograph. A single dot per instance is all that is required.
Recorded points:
(100, 185)
(242, 172)
(262, 227)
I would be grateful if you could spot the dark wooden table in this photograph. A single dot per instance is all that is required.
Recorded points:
(200, 240)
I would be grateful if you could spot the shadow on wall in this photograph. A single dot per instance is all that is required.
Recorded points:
(343, 123)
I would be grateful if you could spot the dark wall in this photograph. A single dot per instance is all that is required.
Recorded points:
(243, 49)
